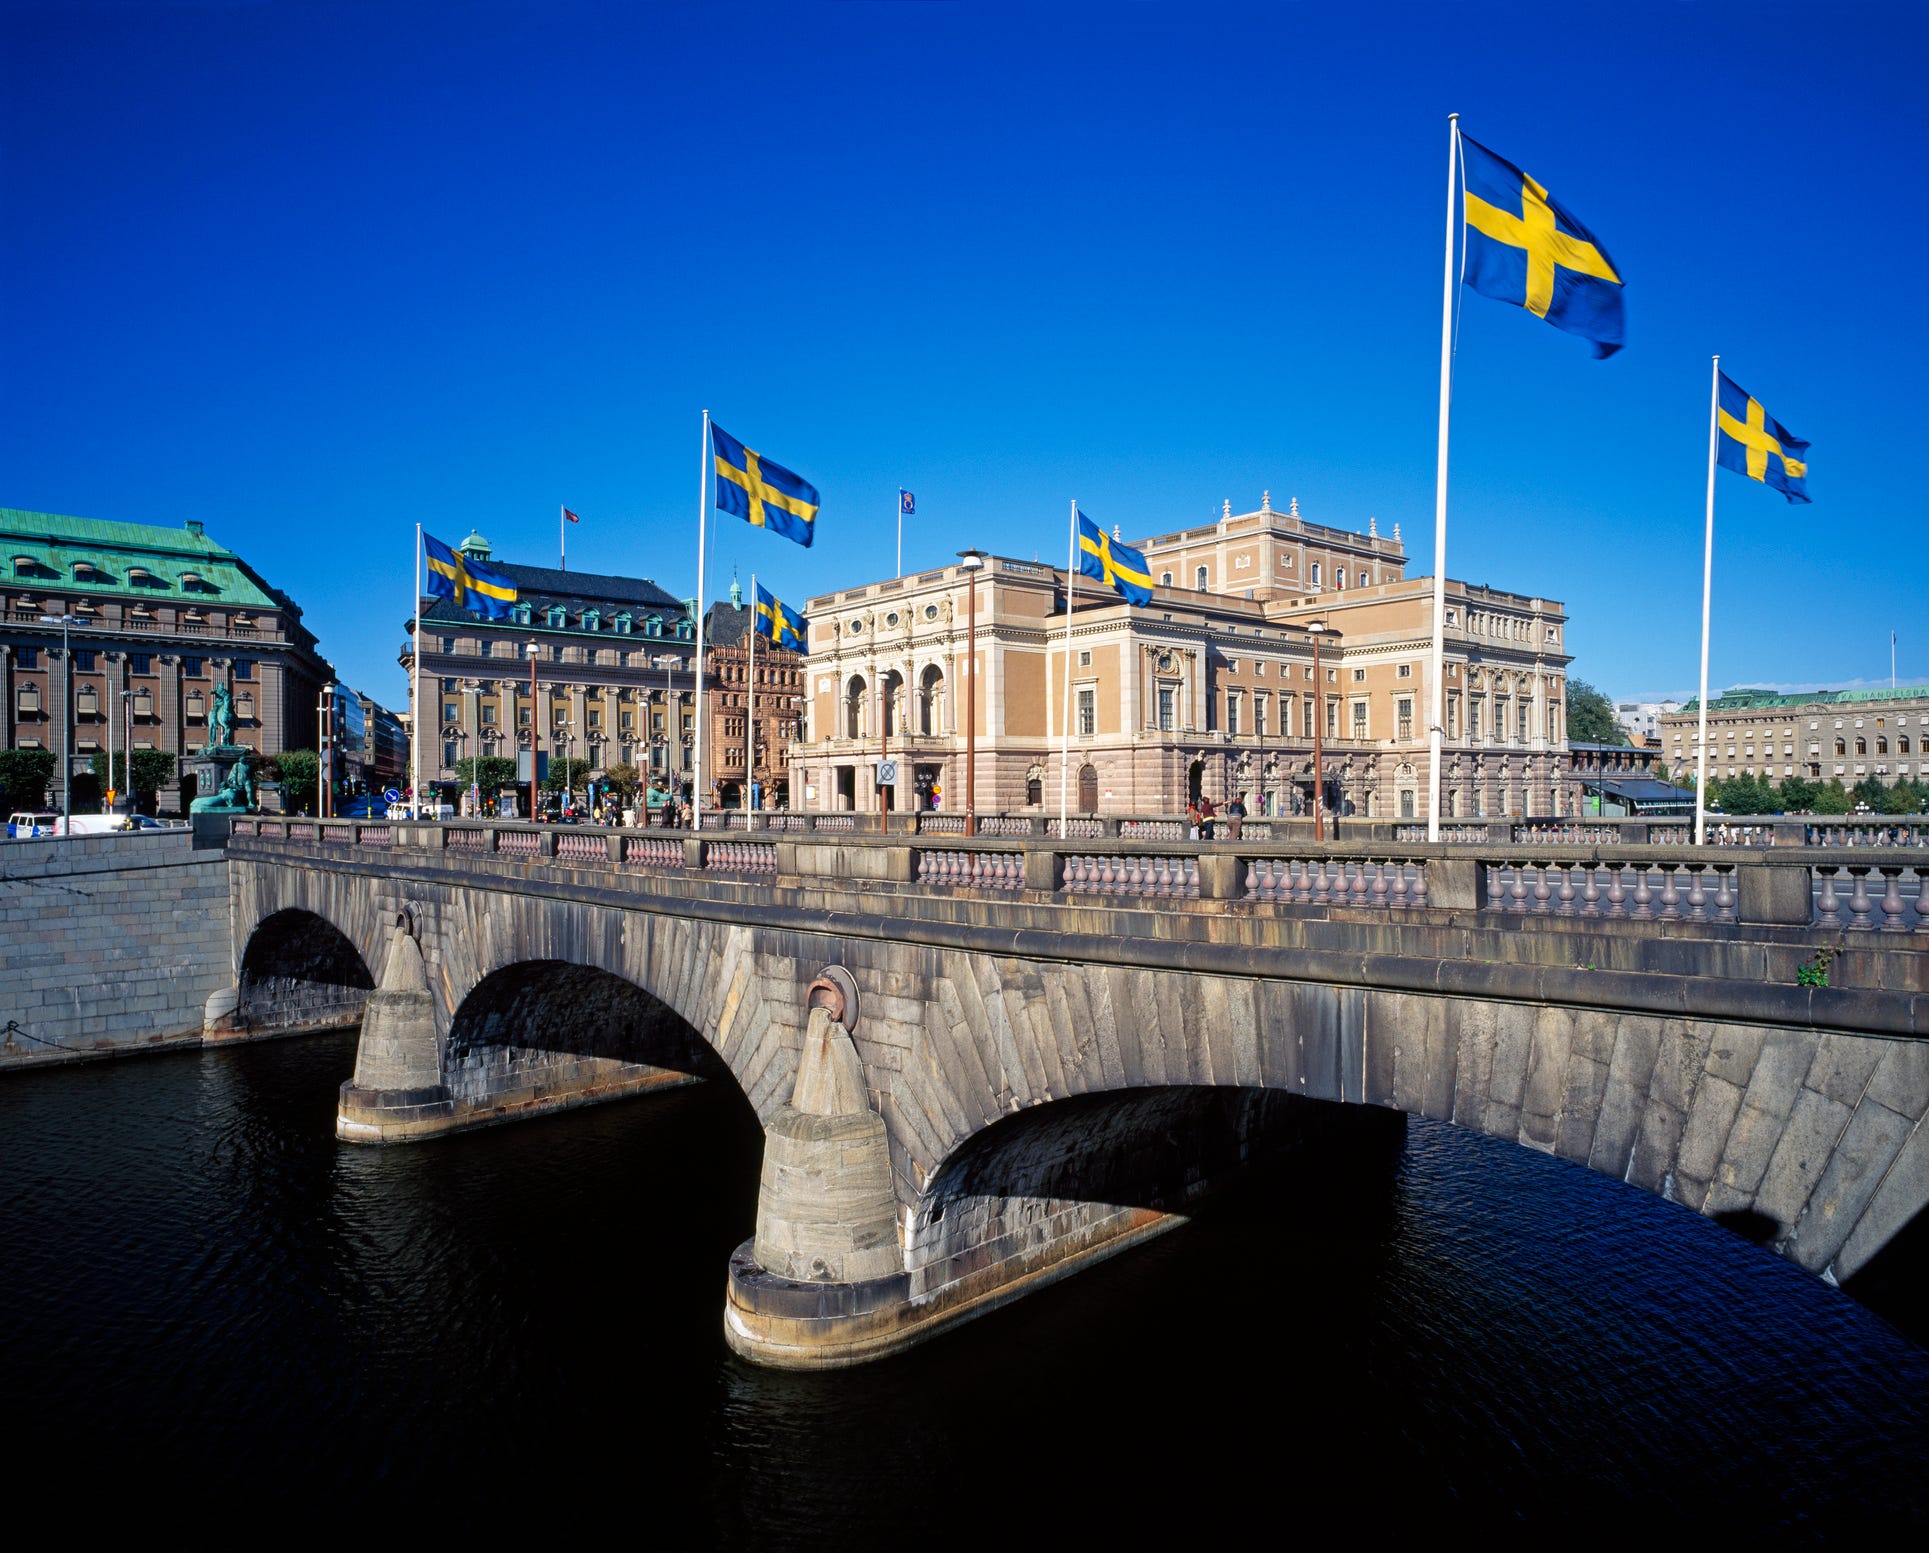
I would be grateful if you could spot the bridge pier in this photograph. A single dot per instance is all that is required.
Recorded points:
(830, 1280)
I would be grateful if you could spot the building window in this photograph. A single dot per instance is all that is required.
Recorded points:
(1359, 719)
(1259, 716)
(1406, 803)
(1315, 568)
(1165, 709)
(194, 706)
(488, 710)
(1403, 717)
(140, 663)
(1861, 747)
(1232, 711)
(29, 657)
(1405, 671)
(1199, 578)
(448, 644)
(451, 711)
(1332, 719)
(84, 660)
(244, 668)
(244, 706)
(1165, 579)
(27, 700)
(1087, 711)
(1841, 748)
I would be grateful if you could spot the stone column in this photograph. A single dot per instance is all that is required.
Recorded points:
(398, 1090)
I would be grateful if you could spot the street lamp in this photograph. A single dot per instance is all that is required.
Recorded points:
(324, 720)
(973, 562)
(1316, 629)
(66, 622)
(535, 725)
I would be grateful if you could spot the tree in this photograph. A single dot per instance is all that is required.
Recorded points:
(1798, 793)
(623, 780)
(1590, 715)
(1871, 791)
(298, 771)
(24, 775)
(489, 774)
(153, 770)
(567, 773)
(1904, 798)
(1833, 798)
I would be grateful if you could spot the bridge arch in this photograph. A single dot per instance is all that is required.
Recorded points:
(299, 971)
(535, 1028)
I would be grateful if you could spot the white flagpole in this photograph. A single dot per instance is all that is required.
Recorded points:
(703, 513)
(1437, 693)
(750, 673)
(900, 570)
(1065, 747)
(415, 730)
(1707, 584)
(562, 536)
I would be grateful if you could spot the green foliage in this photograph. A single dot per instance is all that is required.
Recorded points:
(1832, 798)
(570, 773)
(1870, 790)
(24, 775)
(488, 773)
(1816, 972)
(1590, 715)
(1798, 793)
(624, 779)
(153, 770)
(298, 771)
(1743, 795)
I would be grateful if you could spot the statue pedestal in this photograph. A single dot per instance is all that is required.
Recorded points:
(211, 765)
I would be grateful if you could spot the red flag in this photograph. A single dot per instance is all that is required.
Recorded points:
(571, 516)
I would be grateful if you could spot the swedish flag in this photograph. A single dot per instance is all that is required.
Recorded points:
(764, 494)
(777, 624)
(1101, 556)
(1751, 444)
(482, 590)
(1525, 247)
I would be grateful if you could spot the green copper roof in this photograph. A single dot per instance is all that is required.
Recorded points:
(1740, 700)
(52, 544)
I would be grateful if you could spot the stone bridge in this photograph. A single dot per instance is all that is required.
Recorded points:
(980, 1064)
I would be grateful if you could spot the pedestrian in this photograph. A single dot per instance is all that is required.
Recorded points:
(1206, 816)
(1192, 819)
(1236, 813)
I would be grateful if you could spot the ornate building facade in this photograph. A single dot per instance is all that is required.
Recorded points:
(160, 618)
(613, 676)
(1824, 735)
(732, 760)
(1204, 691)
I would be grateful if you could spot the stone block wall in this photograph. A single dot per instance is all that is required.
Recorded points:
(109, 943)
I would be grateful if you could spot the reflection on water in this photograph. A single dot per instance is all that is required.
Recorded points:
(215, 1313)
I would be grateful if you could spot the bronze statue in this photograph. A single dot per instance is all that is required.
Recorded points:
(221, 719)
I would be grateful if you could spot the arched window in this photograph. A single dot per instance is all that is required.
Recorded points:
(931, 700)
(1841, 748)
(1881, 746)
(1316, 574)
(854, 707)
(1902, 745)
(1861, 746)
(893, 698)
(1339, 580)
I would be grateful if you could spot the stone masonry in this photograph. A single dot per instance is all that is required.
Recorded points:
(110, 943)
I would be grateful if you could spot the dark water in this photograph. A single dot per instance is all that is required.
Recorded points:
(219, 1325)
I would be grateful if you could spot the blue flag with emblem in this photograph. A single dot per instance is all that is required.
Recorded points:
(1749, 442)
(1103, 557)
(1523, 246)
(480, 589)
(776, 624)
(763, 494)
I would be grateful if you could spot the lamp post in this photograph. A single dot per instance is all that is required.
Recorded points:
(127, 744)
(1316, 630)
(66, 623)
(973, 562)
(324, 713)
(535, 725)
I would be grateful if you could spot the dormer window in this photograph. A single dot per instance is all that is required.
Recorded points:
(653, 626)
(141, 577)
(26, 566)
(592, 620)
(86, 571)
(685, 630)
(622, 624)
(524, 614)
(556, 616)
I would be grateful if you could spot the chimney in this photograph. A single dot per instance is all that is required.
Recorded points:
(194, 527)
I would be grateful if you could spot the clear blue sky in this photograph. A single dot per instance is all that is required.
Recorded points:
(314, 272)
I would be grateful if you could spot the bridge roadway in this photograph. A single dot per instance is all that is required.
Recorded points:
(982, 1064)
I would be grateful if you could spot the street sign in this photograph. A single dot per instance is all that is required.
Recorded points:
(392, 794)
(887, 773)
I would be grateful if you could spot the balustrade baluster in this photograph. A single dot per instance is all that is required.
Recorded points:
(1670, 896)
(1830, 905)
(1419, 894)
(1590, 893)
(1357, 895)
(1319, 891)
(1859, 902)
(1724, 894)
(1892, 907)
(1517, 891)
(1564, 896)
(1921, 876)
(1697, 896)
(1397, 894)
(1542, 894)
(1643, 894)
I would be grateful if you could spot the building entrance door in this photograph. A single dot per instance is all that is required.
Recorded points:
(1088, 789)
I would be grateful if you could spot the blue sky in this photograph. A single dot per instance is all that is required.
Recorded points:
(315, 272)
